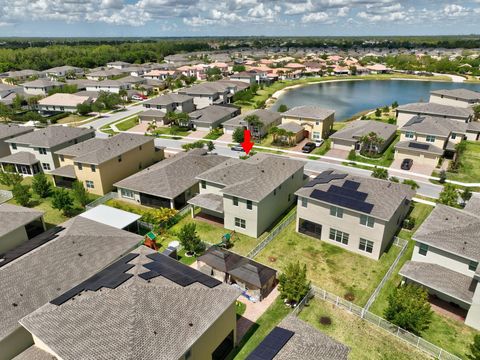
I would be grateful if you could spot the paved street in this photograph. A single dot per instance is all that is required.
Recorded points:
(109, 118)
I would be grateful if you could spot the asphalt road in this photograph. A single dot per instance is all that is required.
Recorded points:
(112, 117)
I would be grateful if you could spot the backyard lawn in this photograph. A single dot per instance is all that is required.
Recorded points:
(469, 169)
(366, 341)
(330, 267)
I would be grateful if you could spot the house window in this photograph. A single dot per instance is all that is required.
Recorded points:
(316, 135)
(14, 146)
(140, 166)
(304, 202)
(93, 168)
(235, 201)
(339, 236)
(430, 139)
(42, 151)
(317, 122)
(240, 223)
(204, 184)
(366, 245)
(89, 184)
(46, 166)
(423, 249)
(249, 204)
(275, 192)
(127, 193)
(367, 221)
(80, 167)
(335, 211)
(289, 197)
(472, 265)
(62, 158)
(409, 135)
(120, 158)
(454, 136)
(140, 148)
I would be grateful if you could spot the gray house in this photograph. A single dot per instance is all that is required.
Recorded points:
(406, 112)
(8, 131)
(212, 117)
(171, 102)
(455, 97)
(41, 86)
(267, 117)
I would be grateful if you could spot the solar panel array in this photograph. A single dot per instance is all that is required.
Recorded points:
(179, 273)
(418, 146)
(325, 177)
(271, 345)
(111, 277)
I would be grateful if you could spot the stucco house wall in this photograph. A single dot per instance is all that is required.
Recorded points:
(317, 129)
(12, 345)
(418, 158)
(439, 99)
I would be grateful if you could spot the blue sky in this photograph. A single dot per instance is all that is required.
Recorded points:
(237, 17)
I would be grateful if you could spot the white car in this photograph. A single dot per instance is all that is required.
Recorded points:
(319, 142)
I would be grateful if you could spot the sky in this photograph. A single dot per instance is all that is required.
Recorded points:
(124, 18)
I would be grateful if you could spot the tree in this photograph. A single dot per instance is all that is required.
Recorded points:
(210, 146)
(237, 135)
(189, 239)
(254, 124)
(282, 108)
(238, 68)
(411, 183)
(9, 177)
(380, 173)
(378, 113)
(61, 200)
(449, 195)
(199, 144)
(123, 96)
(408, 307)
(371, 143)
(476, 111)
(213, 74)
(80, 194)
(442, 176)
(17, 102)
(475, 348)
(21, 194)
(41, 186)
(293, 283)
(466, 194)
(84, 108)
(394, 105)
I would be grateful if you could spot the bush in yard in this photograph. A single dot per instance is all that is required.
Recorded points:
(442, 177)
(237, 135)
(411, 183)
(210, 146)
(282, 108)
(41, 186)
(466, 194)
(325, 320)
(449, 195)
(189, 239)
(409, 223)
(475, 348)
(408, 307)
(61, 200)
(380, 173)
(80, 194)
(394, 179)
(200, 144)
(21, 194)
(9, 177)
(378, 113)
(352, 155)
(161, 218)
(293, 283)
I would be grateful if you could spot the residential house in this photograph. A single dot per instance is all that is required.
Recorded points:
(169, 306)
(210, 93)
(159, 74)
(8, 131)
(152, 116)
(36, 151)
(171, 182)
(294, 132)
(268, 118)
(316, 121)
(44, 267)
(455, 97)
(445, 259)
(293, 338)
(64, 71)
(378, 69)
(41, 86)
(102, 74)
(406, 112)
(20, 75)
(19, 225)
(99, 163)
(111, 86)
(349, 138)
(61, 102)
(9, 92)
(171, 102)
(359, 214)
(248, 77)
(254, 279)
(212, 117)
(249, 195)
(118, 65)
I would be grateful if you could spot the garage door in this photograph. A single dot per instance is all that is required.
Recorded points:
(342, 145)
(421, 159)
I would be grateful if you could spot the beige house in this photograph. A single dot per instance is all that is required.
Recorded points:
(456, 97)
(60, 102)
(316, 121)
(267, 117)
(249, 195)
(99, 163)
(158, 308)
(19, 224)
(357, 213)
(446, 256)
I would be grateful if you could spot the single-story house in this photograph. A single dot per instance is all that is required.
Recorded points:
(61, 102)
(102, 74)
(212, 117)
(62, 71)
(41, 86)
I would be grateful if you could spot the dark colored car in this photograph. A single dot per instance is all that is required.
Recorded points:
(237, 147)
(309, 147)
(406, 164)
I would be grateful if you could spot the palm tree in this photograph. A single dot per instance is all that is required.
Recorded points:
(254, 125)
(291, 137)
(123, 95)
(371, 143)
(274, 132)
(151, 127)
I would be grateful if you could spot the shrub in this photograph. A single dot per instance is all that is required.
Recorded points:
(189, 239)
(293, 283)
(409, 223)
(237, 135)
(325, 320)
(282, 108)
(21, 194)
(411, 183)
(61, 200)
(349, 296)
(9, 177)
(380, 173)
(449, 195)
(41, 186)
(80, 194)
(352, 155)
(442, 176)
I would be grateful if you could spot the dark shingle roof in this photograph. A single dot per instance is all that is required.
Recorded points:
(291, 127)
(419, 147)
(436, 109)
(21, 158)
(357, 129)
(462, 94)
(51, 136)
(9, 130)
(34, 353)
(432, 125)
(310, 112)
(212, 114)
(168, 99)
(267, 117)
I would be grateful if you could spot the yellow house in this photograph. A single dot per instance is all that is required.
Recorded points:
(316, 121)
(99, 163)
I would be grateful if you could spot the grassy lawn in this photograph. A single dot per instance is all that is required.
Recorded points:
(128, 124)
(72, 118)
(322, 149)
(265, 323)
(330, 267)
(469, 169)
(170, 131)
(385, 160)
(366, 341)
(214, 134)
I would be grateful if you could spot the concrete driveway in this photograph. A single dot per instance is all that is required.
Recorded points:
(198, 134)
(226, 137)
(338, 154)
(416, 167)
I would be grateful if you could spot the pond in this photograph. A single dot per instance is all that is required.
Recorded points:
(348, 98)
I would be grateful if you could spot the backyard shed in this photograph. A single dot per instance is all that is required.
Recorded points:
(116, 218)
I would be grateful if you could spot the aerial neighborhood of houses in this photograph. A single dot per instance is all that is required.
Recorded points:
(133, 225)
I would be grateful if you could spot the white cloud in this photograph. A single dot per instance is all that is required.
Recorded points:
(454, 10)
(317, 17)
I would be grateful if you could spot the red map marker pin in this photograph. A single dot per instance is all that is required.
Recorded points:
(247, 145)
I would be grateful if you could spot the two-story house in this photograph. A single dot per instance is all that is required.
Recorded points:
(405, 112)
(317, 122)
(455, 97)
(8, 131)
(99, 163)
(111, 86)
(249, 195)
(268, 119)
(171, 102)
(210, 93)
(35, 151)
(446, 256)
(360, 214)
(41, 86)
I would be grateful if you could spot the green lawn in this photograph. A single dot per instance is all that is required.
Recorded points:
(385, 159)
(170, 131)
(128, 124)
(73, 118)
(469, 169)
(214, 134)
(322, 149)
(366, 341)
(330, 267)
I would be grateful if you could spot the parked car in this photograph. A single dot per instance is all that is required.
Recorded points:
(139, 97)
(406, 164)
(237, 147)
(319, 142)
(308, 147)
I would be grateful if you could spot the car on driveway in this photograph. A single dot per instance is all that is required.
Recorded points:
(237, 147)
(308, 147)
(406, 164)
(139, 97)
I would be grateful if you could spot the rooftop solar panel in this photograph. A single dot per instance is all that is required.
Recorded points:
(271, 345)
(418, 146)
(351, 185)
(354, 194)
(325, 177)
(343, 201)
